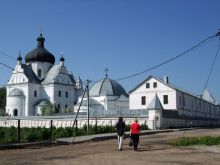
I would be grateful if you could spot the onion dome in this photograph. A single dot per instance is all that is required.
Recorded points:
(19, 58)
(107, 87)
(40, 53)
(62, 58)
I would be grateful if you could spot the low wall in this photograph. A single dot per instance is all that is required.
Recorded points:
(38, 122)
(178, 122)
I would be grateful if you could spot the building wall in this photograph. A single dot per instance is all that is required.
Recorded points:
(66, 97)
(189, 105)
(161, 90)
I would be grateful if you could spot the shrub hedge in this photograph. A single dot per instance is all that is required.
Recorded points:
(9, 135)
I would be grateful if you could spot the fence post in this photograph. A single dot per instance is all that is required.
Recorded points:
(95, 125)
(111, 125)
(76, 128)
(18, 131)
(51, 129)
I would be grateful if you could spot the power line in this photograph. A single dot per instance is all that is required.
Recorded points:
(171, 59)
(213, 63)
(6, 66)
(7, 55)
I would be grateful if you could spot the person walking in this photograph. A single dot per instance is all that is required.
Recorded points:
(120, 129)
(135, 130)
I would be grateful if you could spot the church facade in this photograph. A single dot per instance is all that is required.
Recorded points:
(40, 82)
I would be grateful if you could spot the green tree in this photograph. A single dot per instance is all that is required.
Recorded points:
(48, 109)
(2, 100)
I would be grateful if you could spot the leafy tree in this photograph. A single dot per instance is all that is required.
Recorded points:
(2, 100)
(48, 109)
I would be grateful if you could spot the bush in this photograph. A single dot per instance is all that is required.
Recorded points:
(8, 135)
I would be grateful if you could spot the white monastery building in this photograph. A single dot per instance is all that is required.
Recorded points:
(166, 104)
(40, 81)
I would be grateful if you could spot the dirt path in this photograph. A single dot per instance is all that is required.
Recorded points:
(153, 150)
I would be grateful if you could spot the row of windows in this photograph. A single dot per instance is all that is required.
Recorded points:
(58, 108)
(59, 94)
(154, 85)
(165, 100)
(195, 104)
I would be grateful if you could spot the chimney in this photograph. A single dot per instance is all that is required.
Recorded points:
(166, 79)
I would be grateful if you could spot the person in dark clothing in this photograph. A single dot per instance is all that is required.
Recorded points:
(120, 129)
(135, 130)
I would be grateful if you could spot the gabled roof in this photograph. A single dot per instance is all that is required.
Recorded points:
(155, 104)
(208, 97)
(173, 87)
(148, 78)
(52, 74)
(161, 81)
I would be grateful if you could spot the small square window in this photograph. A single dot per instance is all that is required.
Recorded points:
(147, 85)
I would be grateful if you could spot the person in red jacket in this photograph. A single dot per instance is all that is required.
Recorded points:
(135, 130)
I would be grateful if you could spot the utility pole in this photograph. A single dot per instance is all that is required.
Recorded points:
(87, 89)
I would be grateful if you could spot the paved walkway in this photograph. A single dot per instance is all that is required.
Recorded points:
(105, 136)
(153, 149)
(75, 140)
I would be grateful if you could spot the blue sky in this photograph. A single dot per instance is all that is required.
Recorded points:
(127, 36)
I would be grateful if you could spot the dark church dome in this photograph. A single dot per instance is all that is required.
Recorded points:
(40, 53)
(107, 87)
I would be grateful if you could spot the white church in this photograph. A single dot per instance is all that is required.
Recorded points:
(40, 81)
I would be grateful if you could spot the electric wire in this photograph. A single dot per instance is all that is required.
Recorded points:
(201, 43)
(7, 55)
(169, 60)
(213, 63)
(6, 66)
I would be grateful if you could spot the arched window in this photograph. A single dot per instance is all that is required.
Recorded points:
(58, 108)
(66, 94)
(35, 93)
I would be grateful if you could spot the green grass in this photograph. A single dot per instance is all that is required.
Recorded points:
(189, 141)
